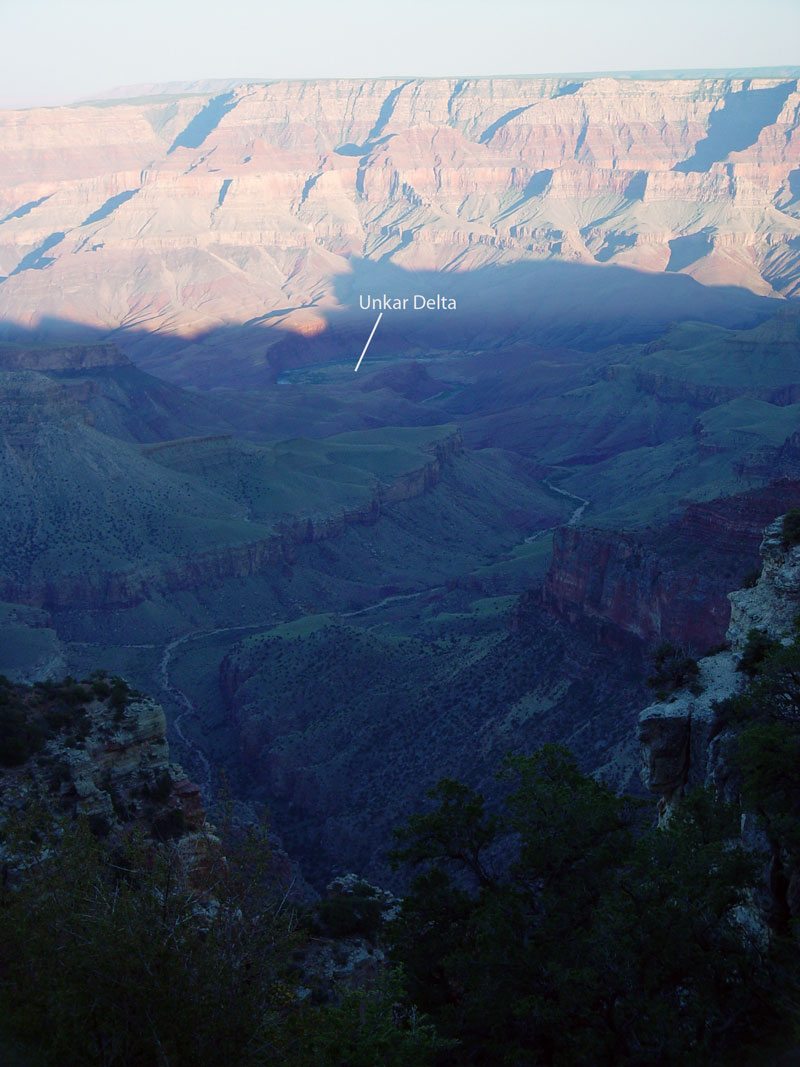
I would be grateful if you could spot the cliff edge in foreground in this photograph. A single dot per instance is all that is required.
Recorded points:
(684, 738)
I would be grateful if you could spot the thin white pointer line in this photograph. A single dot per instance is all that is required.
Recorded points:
(366, 346)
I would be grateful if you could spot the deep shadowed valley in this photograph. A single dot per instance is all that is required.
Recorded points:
(455, 564)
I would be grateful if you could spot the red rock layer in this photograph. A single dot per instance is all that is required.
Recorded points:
(634, 590)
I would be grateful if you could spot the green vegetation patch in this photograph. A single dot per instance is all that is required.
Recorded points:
(673, 670)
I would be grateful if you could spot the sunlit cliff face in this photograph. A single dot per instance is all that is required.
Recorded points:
(182, 214)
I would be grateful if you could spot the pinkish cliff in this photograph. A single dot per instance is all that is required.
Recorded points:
(187, 213)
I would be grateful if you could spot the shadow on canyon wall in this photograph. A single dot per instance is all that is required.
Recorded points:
(548, 304)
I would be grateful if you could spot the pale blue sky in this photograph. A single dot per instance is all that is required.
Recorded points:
(56, 51)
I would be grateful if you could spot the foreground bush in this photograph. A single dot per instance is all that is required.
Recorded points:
(110, 958)
(673, 670)
(791, 528)
(558, 931)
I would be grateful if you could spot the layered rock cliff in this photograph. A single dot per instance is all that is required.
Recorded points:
(685, 740)
(633, 590)
(71, 357)
(271, 542)
(187, 213)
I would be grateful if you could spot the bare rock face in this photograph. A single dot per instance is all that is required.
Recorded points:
(107, 759)
(676, 735)
(61, 357)
(682, 740)
(636, 589)
(187, 213)
(629, 593)
(773, 603)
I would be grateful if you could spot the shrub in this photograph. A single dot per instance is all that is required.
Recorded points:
(59, 773)
(723, 646)
(119, 695)
(350, 914)
(99, 825)
(167, 824)
(549, 929)
(673, 669)
(75, 695)
(161, 788)
(108, 957)
(751, 578)
(758, 649)
(791, 528)
(20, 737)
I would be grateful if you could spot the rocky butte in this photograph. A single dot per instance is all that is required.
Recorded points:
(188, 212)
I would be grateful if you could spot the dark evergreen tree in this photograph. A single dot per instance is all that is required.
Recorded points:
(561, 931)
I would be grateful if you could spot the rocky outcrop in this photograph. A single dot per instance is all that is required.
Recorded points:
(100, 750)
(622, 589)
(61, 357)
(679, 737)
(773, 603)
(679, 389)
(768, 462)
(683, 739)
(633, 590)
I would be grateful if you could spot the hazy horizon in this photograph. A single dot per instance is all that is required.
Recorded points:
(84, 51)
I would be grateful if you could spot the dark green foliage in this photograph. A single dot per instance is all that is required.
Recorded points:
(459, 829)
(108, 957)
(559, 931)
(99, 825)
(773, 692)
(768, 755)
(60, 716)
(74, 695)
(371, 1027)
(160, 789)
(673, 670)
(59, 773)
(168, 823)
(357, 913)
(119, 694)
(20, 735)
(723, 646)
(791, 528)
(751, 578)
(758, 648)
(30, 716)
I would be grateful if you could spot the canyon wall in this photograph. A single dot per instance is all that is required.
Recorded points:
(125, 588)
(634, 590)
(684, 739)
(182, 214)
